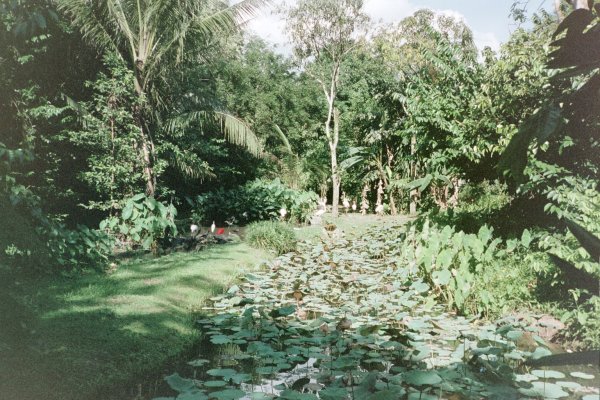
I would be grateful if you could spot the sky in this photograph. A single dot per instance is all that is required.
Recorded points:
(488, 19)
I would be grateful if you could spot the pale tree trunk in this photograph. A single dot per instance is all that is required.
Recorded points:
(580, 4)
(147, 145)
(390, 162)
(413, 175)
(333, 115)
(558, 9)
(335, 173)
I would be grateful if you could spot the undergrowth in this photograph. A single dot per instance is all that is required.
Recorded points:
(271, 235)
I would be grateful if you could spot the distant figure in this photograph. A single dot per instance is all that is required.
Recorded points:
(379, 209)
(194, 229)
(345, 202)
(321, 207)
(282, 213)
(213, 227)
(353, 205)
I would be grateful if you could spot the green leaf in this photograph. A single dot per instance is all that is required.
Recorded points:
(228, 394)
(334, 393)
(422, 378)
(179, 384)
(547, 374)
(581, 375)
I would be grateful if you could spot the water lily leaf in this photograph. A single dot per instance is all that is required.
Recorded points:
(226, 373)
(220, 339)
(385, 395)
(590, 397)
(581, 375)
(525, 378)
(228, 394)
(569, 385)
(194, 395)
(333, 393)
(540, 352)
(422, 378)
(214, 384)
(180, 384)
(283, 311)
(239, 378)
(547, 374)
(549, 390)
(514, 335)
(422, 396)
(261, 396)
(293, 395)
(199, 362)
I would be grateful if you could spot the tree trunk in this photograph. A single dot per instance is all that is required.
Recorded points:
(147, 145)
(413, 174)
(335, 173)
(581, 4)
(148, 167)
(558, 9)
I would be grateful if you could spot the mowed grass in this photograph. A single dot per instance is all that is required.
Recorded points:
(95, 336)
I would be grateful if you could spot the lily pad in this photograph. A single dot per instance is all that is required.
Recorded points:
(581, 375)
(228, 394)
(547, 374)
(214, 384)
(179, 384)
(545, 390)
(422, 378)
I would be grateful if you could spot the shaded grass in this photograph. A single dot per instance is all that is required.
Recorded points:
(92, 336)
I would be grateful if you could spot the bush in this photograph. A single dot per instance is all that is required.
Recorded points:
(31, 241)
(255, 201)
(144, 222)
(271, 235)
(473, 273)
(80, 248)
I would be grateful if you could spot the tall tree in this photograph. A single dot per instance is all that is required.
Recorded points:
(150, 37)
(323, 34)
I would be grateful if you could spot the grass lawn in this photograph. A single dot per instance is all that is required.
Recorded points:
(93, 336)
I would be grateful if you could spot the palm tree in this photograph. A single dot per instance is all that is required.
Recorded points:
(150, 36)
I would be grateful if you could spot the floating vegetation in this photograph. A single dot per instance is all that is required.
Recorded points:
(344, 319)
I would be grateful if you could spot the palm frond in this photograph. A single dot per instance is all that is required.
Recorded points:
(189, 164)
(234, 129)
(284, 139)
(238, 132)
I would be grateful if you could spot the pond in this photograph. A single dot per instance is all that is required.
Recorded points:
(342, 318)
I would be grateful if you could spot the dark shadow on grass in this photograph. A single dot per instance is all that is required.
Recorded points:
(93, 336)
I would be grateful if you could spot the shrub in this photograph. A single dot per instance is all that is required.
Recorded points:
(472, 273)
(32, 241)
(144, 222)
(271, 235)
(79, 248)
(255, 201)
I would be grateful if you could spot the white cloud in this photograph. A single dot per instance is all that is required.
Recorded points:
(270, 26)
(388, 11)
(483, 39)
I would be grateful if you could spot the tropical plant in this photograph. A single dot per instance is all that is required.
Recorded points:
(460, 268)
(150, 38)
(143, 221)
(256, 201)
(271, 235)
(323, 34)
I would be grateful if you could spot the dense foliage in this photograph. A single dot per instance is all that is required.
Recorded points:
(255, 201)
(271, 235)
(123, 115)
